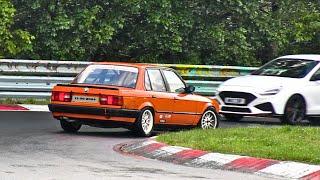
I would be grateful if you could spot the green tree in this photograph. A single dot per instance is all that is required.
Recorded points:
(146, 31)
(306, 38)
(14, 41)
(229, 32)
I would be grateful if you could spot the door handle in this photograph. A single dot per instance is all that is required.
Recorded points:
(153, 96)
(175, 98)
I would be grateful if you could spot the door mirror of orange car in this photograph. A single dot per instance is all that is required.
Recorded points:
(189, 89)
(180, 90)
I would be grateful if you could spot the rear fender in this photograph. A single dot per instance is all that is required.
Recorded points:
(150, 105)
(146, 104)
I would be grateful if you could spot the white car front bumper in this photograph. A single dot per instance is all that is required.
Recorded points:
(255, 104)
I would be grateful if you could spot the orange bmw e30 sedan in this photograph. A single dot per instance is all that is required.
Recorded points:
(138, 97)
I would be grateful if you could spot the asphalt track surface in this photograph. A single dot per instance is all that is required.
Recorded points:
(33, 146)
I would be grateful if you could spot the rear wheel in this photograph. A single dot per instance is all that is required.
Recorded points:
(295, 110)
(145, 123)
(209, 119)
(70, 127)
(233, 117)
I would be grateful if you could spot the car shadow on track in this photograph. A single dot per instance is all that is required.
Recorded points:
(106, 132)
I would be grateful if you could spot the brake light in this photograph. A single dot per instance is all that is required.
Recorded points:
(61, 96)
(111, 100)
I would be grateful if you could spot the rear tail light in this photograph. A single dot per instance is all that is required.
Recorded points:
(111, 100)
(61, 96)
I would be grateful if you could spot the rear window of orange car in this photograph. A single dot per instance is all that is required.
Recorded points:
(110, 75)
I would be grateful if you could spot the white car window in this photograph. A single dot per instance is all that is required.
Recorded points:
(292, 68)
(316, 76)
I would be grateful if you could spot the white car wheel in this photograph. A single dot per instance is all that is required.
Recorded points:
(295, 110)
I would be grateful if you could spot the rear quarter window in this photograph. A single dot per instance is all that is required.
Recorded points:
(157, 82)
(147, 83)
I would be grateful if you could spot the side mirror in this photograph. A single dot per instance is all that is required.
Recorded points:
(180, 90)
(190, 89)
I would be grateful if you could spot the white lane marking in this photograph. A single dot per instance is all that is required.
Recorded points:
(146, 143)
(217, 158)
(173, 149)
(38, 108)
(290, 169)
(135, 146)
(167, 151)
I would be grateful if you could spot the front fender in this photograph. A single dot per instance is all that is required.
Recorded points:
(214, 103)
(207, 105)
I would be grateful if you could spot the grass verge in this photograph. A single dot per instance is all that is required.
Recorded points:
(286, 143)
(25, 101)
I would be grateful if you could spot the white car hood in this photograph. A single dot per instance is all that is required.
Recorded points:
(258, 83)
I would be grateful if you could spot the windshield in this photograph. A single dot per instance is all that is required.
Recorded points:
(110, 75)
(292, 68)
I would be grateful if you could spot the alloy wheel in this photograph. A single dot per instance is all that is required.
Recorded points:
(209, 120)
(147, 121)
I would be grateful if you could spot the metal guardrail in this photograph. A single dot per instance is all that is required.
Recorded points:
(35, 78)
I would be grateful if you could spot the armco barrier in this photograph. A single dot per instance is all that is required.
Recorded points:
(35, 78)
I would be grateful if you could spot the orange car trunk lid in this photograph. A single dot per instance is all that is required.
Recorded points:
(83, 94)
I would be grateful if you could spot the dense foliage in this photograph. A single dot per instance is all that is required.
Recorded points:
(229, 32)
(13, 40)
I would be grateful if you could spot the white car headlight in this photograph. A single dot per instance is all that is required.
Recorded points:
(271, 92)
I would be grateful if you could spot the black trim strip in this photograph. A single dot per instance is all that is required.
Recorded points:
(188, 113)
(87, 85)
(163, 112)
(94, 111)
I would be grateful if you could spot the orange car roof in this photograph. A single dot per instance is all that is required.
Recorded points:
(138, 65)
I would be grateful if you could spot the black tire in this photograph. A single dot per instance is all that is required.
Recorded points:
(233, 117)
(210, 119)
(70, 127)
(142, 127)
(295, 110)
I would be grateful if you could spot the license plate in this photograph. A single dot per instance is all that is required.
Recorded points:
(235, 100)
(88, 99)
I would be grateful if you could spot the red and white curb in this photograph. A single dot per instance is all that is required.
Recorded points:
(197, 158)
(24, 107)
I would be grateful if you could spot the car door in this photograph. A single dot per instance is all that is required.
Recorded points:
(160, 98)
(312, 91)
(184, 106)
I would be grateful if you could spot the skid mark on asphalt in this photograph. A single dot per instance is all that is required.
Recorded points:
(95, 169)
(23, 166)
(8, 172)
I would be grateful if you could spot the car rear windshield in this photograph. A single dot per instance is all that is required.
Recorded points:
(292, 68)
(110, 75)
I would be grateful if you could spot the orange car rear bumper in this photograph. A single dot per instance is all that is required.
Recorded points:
(93, 113)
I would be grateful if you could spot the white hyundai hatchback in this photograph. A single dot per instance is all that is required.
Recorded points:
(287, 87)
